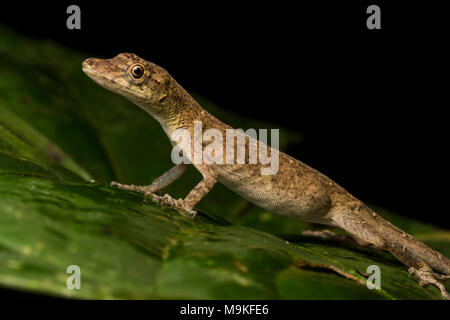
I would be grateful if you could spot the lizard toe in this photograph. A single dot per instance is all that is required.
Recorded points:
(426, 276)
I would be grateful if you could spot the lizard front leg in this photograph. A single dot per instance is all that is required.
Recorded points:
(194, 196)
(162, 181)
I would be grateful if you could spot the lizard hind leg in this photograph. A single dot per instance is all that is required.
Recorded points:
(361, 222)
(358, 228)
(419, 267)
(328, 235)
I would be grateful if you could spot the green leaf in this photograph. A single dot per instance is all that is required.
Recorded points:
(63, 139)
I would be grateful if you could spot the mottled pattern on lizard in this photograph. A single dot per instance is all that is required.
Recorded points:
(296, 190)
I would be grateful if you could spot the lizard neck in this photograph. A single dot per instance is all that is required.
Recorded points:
(179, 110)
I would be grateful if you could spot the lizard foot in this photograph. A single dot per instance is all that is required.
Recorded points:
(179, 204)
(441, 276)
(426, 276)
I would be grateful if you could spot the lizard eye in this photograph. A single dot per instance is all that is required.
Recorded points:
(137, 71)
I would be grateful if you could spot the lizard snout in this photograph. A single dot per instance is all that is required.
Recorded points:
(89, 62)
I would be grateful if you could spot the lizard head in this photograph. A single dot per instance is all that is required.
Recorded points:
(142, 82)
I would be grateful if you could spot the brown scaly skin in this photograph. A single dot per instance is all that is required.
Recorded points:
(296, 190)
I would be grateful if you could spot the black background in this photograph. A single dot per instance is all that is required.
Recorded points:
(370, 103)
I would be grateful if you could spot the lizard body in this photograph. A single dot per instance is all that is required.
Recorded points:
(296, 190)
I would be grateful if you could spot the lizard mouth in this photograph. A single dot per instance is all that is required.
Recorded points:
(111, 77)
(103, 73)
(88, 66)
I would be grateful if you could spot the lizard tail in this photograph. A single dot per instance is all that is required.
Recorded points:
(363, 223)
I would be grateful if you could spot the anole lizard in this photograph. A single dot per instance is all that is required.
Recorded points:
(296, 190)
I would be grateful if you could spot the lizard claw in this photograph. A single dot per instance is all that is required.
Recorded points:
(179, 204)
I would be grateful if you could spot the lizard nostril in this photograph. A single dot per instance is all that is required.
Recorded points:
(88, 62)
